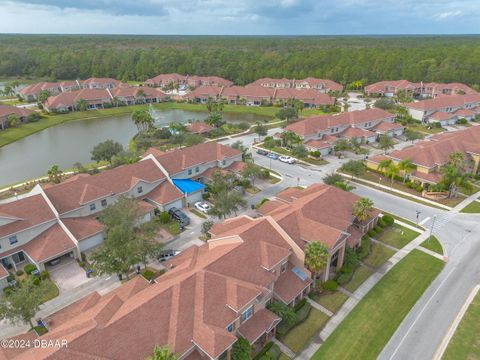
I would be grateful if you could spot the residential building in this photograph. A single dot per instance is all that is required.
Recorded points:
(183, 81)
(322, 85)
(365, 125)
(199, 127)
(67, 101)
(60, 220)
(7, 110)
(445, 109)
(131, 95)
(100, 83)
(430, 155)
(196, 81)
(31, 92)
(310, 97)
(390, 88)
(163, 80)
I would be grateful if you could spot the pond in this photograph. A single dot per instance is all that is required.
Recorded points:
(72, 142)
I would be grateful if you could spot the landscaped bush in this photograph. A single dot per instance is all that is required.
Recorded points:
(36, 281)
(371, 233)
(29, 268)
(10, 278)
(300, 304)
(174, 228)
(148, 274)
(350, 259)
(315, 153)
(381, 223)
(364, 248)
(7, 291)
(377, 229)
(387, 219)
(302, 314)
(343, 278)
(164, 217)
(205, 195)
(82, 264)
(263, 352)
(19, 272)
(330, 285)
(265, 173)
(83, 256)
(44, 275)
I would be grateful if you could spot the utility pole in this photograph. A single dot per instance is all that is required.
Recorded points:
(418, 215)
(431, 229)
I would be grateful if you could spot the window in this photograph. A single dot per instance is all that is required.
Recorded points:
(197, 169)
(13, 239)
(283, 267)
(104, 202)
(224, 162)
(92, 207)
(230, 328)
(189, 171)
(140, 189)
(247, 313)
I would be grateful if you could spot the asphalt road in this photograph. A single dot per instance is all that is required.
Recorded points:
(423, 329)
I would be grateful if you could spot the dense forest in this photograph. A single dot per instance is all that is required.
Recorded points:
(243, 59)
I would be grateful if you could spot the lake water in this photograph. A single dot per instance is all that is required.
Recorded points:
(72, 142)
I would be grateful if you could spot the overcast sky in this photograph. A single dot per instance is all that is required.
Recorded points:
(246, 17)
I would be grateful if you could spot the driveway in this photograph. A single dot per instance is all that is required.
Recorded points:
(68, 275)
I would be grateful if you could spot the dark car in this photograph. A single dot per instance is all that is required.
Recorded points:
(179, 216)
(262, 152)
(167, 254)
(272, 156)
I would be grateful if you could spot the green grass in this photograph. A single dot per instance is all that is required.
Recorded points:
(299, 336)
(433, 244)
(423, 129)
(366, 330)
(378, 255)
(472, 208)
(51, 292)
(332, 301)
(397, 236)
(283, 357)
(198, 213)
(465, 343)
(361, 274)
(406, 221)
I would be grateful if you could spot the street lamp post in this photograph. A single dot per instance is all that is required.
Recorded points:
(431, 229)
(418, 215)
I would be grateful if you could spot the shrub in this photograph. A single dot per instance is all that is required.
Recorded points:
(83, 256)
(44, 275)
(387, 219)
(205, 195)
(19, 272)
(82, 264)
(164, 217)
(330, 285)
(148, 274)
(315, 153)
(381, 223)
(419, 188)
(300, 304)
(263, 353)
(265, 173)
(377, 229)
(10, 278)
(29, 268)
(364, 248)
(343, 278)
(284, 311)
(7, 291)
(36, 281)
(350, 258)
(371, 233)
(174, 228)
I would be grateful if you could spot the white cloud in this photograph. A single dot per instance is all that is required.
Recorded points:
(447, 15)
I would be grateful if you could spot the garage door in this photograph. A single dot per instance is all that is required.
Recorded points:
(90, 242)
(177, 203)
(194, 197)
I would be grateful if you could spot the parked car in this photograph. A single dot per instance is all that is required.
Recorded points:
(179, 216)
(202, 206)
(272, 156)
(167, 254)
(287, 159)
(262, 152)
(55, 261)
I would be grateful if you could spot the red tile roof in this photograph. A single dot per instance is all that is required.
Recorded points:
(101, 82)
(465, 113)
(6, 110)
(164, 193)
(3, 272)
(35, 89)
(68, 99)
(441, 116)
(83, 227)
(289, 285)
(199, 127)
(309, 96)
(353, 132)
(318, 144)
(445, 101)
(385, 126)
(260, 323)
(48, 244)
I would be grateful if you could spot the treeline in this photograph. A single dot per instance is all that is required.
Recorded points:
(243, 59)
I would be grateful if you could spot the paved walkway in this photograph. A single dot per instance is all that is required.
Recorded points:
(320, 307)
(384, 244)
(466, 202)
(347, 307)
(284, 348)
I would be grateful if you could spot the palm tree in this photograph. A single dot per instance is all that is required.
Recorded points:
(81, 105)
(316, 258)
(407, 167)
(55, 174)
(385, 143)
(142, 119)
(362, 208)
(457, 159)
(390, 172)
(13, 120)
(162, 353)
(289, 138)
(141, 95)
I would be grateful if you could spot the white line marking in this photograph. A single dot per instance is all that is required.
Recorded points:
(108, 278)
(424, 220)
(420, 313)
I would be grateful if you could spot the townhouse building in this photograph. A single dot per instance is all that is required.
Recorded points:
(184, 81)
(321, 85)
(320, 132)
(31, 92)
(100, 83)
(445, 109)
(430, 155)
(7, 110)
(212, 294)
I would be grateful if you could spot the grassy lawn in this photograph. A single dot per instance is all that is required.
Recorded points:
(378, 255)
(465, 343)
(472, 208)
(52, 291)
(332, 301)
(361, 274)
(397, 236)
(366, 330)
(299, 336)
(308, 160)
(283, 357)
(406, 221)
(453, 201)
(433, 244)
(423, 129)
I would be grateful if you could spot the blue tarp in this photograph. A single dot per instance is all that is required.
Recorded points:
(187, 186)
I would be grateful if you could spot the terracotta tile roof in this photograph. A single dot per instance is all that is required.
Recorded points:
(3, 272)
(391, 86)
(164, 193)
(325, 84)
(289, 285)
(101, 81)
(385, 126)
(353, 132)
(355, 235)
(199, 127)
(378, 158)
(445, 101)
(175, 161)
(25, 213)
(35, 89)
(464, 112)
(73, 194)
(83, 227)
(309, 96)
(441, 116)
(204, 91)
(68, 99)
(318, 144)
(433, 177)
(236, 166)
(260, 323)
(220, 228)
(437, 150)
(132, 92)
(166, 78)
(6, 110)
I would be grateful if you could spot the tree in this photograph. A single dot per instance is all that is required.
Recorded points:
(23, 302)
(55, 174)
(413, 135)
(453, 174)
(389, 169)
(362, 209)
(142, 119)
(356, 168)
(105, 150)
(13, 120)
(176, 127)
(385, 143)
(79, 168)
(260, 130)
(407, 167)
(147, 246)
(252, 172)
(298, 105)
(125, 243)
(215, 119)
(241, 350)
(385, 104)
(300, 151)
(81, 105)
(457, 160)
(162, 353)
(287, 313)
(289, 138)
(316, 257)
(341, 145)
(332, 179)
(287, 113)
(206, 226)
(246, 155)
(140, 95)
(215, 105)
(33, 117)
(227, 202)
(43, 96)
